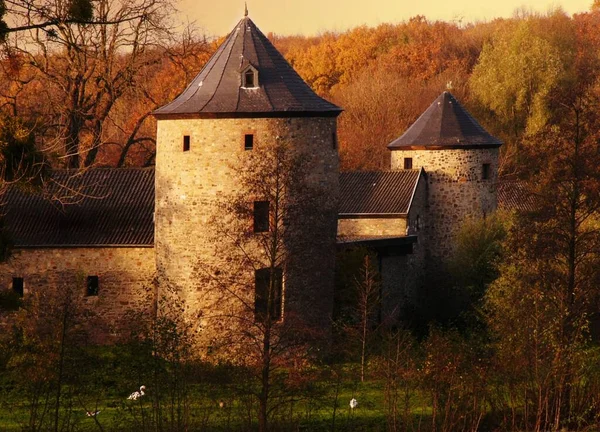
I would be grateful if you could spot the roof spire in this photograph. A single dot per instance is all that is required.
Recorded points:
(245, 9)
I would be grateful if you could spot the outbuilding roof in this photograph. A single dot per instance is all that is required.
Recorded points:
(377, 193)
(108, 207)
(446, 124)
(115, 207)
(514, 196)
(219, 89)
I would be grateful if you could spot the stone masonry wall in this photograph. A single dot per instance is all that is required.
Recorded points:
(372, 227)
(188, 186)
(125, 277)
(457, 190)
(402, 274)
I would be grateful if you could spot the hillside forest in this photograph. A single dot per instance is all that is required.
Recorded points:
(87, 92)
(506, 337)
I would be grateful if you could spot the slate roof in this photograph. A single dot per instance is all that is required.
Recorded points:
(377, 193)
(445, 124)
(217, 92)
(110, 207)
(513, 196)
(115, 207)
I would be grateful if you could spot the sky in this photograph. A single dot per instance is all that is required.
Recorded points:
(311, 17)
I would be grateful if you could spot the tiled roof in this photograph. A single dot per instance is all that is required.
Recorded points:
(377, 192)
(217, 91)
(445, 124)
(109, 207)
(513, 195)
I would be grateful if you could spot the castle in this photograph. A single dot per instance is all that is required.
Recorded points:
(132, 235)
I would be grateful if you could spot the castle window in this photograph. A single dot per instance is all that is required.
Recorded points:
(92, 286)
(418, 223)
(334, 140)
(186, 143)
(407, 163)
(250, 78)
(267, 295)
(17, 285)
(248, 141)
(261, 216)
(485, 171)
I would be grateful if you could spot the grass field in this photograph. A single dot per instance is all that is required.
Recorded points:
(202, 411)
(206, 407)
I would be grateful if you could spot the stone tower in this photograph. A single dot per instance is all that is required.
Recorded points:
(461, 161)
(247, 97)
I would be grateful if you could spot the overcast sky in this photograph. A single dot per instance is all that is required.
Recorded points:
(310, 17)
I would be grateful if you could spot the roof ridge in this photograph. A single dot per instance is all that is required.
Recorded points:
(236, 29)
(263, 47)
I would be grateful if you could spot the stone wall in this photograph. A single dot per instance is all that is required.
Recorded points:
(457, 190)
(125, 277)
(197, 266)
(390, 226)
(402, 274)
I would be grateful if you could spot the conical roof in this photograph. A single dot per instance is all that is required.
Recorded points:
(219, 90)
(445, 124)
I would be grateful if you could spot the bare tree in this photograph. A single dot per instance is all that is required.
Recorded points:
(84, 69)
(262, 269)
(368, 306)
(34, 14)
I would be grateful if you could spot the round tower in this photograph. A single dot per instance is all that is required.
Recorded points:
(461, 161)
(246, 100)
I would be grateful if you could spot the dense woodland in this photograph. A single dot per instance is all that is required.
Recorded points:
(88, 91)
(507, 334)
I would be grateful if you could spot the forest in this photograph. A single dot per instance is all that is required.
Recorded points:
(507, 337)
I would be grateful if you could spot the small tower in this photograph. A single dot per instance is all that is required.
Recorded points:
(461, 161)
(246, 96)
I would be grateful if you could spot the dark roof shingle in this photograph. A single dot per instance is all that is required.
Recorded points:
(377, 192)
(217, 91)
(514, 196)
(445, 124)
(111, 207)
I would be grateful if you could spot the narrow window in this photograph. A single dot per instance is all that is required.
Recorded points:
(248, 141)
(485, 171)
(186, 143)
(334, 140)
(92, 286)
(261, 216)
(267, 296)
(407, 163)
(418, 223)
(249, 79)
(17, 285)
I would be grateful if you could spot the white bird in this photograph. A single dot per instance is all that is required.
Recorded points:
(136, 395)
(92, 413)
(353, 403)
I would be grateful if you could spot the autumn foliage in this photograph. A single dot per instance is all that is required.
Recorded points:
(504, 71)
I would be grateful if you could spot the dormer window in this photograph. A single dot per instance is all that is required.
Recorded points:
(250, 77)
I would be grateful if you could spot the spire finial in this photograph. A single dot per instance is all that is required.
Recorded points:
(245, 9)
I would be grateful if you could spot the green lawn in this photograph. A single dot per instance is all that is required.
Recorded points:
(312, 410)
